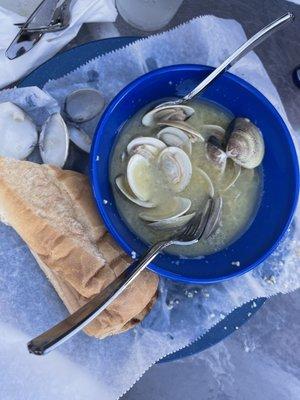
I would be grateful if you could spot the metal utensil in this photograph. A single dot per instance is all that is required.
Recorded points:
(245, 48)
(60, 20)
(61, 332)
(49, 12)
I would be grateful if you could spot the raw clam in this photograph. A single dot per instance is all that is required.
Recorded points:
(245, 144)
(125, 189)
(18, 135)
(192, 132)
(175, 137)
(139, 177)
(171, 223)
(178, 207)
(54, 141)
(176, 166)
(167, 113)
(146, 146)
(83, 104)
(79, 137)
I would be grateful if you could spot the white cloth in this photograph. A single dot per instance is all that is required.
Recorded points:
(81, 11)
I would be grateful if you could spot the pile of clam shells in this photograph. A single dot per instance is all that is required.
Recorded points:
(169, 152)
(20, 136)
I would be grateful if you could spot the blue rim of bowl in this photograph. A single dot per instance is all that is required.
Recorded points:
(102, 209)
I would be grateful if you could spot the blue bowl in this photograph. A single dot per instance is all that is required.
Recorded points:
(280, 165)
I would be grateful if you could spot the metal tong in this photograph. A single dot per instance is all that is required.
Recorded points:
(49, 16)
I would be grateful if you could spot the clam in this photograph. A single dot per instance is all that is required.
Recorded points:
(124, 188)
(214, 218)
(54, 141)
(174, 112)
(18, 135)
(171, 223)
(178, 207)
(176, 166)
(139, 177)
(211, 188)
(79, 137)
(245, 145)
(215, 153)
(148, 147)
(175, 137)
(182, 125)
(234, 177)
(83, 104)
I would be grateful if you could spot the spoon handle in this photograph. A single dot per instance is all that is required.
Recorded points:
(65, 329)
(245, 48)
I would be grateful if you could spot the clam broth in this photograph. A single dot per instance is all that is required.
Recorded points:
(240, 201)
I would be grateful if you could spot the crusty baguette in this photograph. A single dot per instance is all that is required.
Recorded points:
(53, 211)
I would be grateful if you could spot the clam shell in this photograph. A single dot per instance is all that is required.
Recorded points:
(171, 223)
(83, 104)
(146, 146)
(18, 135)
(168, 112)
(235, 176)
(178, 207)
(245, 145)
(79, 137)
(139, 177)
(124, 188)
(215, 154)
(214, 218)
(176, 166)
(193, 133)
(54, 141)
(175, 137)
(211, 188)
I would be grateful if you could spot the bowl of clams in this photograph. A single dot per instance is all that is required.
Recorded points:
(152, 169)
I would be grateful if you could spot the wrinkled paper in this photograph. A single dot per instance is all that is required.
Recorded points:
(85, 367)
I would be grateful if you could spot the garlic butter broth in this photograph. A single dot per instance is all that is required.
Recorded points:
(240, 201)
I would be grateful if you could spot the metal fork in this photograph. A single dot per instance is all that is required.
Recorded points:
(192, 233)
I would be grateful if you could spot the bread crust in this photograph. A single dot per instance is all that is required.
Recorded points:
(53, 211)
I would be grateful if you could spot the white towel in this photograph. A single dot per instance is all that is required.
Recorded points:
(81, 11)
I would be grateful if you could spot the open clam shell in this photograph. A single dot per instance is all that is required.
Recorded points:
(214, 218)
(175, 137)
(178, 207)
(167, 113)
(146, 146)
(140, 177)
(80, 138)
(124, 188)
(193, 133)
(215, 153)
(54, 141)
(171, 223)
(211, 189)
(245, 144)
(83, 104)
(176, 166)
(18, 135)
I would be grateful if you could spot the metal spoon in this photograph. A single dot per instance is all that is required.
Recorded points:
(245, 48)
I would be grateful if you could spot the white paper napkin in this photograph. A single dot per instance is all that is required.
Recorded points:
(29, 305)
(81, 11)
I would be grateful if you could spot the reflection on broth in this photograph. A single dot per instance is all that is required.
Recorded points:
(162, 173)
